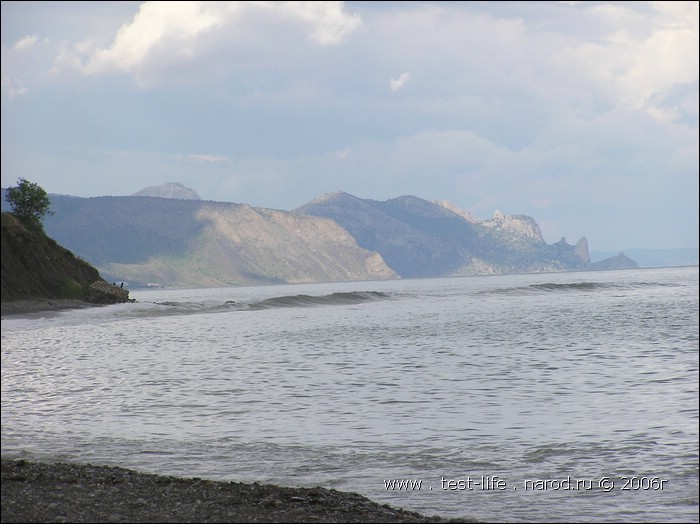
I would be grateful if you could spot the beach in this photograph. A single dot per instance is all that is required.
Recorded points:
(59, 492)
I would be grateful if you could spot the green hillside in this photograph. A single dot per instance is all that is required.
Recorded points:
(35, 266)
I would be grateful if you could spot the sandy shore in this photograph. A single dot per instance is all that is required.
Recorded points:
(40, 492)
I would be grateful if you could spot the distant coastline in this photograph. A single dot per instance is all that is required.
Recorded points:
(655, 257)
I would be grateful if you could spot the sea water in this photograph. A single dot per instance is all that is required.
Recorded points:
(541, 397)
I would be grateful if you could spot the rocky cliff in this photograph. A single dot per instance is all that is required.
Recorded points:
(418, 238)
(34, 266)
(415, 237)
(184, 242)
(239, 244)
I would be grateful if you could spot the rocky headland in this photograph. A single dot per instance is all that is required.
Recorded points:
(39, 274)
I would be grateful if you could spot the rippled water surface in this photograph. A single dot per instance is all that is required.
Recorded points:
(537, 383)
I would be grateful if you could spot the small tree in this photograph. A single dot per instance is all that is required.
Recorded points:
(29, 203)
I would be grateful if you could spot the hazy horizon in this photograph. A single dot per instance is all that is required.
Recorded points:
(581, 115)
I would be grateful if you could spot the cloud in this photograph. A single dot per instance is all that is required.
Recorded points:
(22, 62)
(14, 87)
(209, 159)
(329, 22)
(25, 43)
(397, 83)
(645, 50)
(166, 37)
(175, 25)
(579, 109)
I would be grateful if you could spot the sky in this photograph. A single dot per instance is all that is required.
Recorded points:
(582, 115)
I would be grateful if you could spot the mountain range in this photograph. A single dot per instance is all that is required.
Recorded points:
(167, 236)
(418, 238)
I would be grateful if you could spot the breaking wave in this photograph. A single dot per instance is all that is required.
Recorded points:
(553, 287)
(349, 298)
(334, 299)
(286, 301)
(573, 286)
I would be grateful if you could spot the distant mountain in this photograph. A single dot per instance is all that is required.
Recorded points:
(619, 261)
(173, 242)
(418, 238)
(656, 257)
(169, 190)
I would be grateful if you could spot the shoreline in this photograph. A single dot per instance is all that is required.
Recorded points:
(71, 492)
(42, 305)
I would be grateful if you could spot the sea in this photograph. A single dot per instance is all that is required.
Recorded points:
(563, 397)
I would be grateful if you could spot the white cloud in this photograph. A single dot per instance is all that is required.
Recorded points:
(668, 57)
(14, 87)
(642, 54)
(209, 159)
(165, 36)
(397, 83)
(25, 43)
(172, 24)
(330, 23)
(22, 62)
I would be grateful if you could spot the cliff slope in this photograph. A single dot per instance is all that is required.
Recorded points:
(419, 238)
(174, 242)
(35, 266)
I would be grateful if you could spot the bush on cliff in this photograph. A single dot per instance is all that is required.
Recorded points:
(29, 203)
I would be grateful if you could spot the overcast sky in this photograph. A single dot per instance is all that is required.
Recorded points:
(582, 115)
